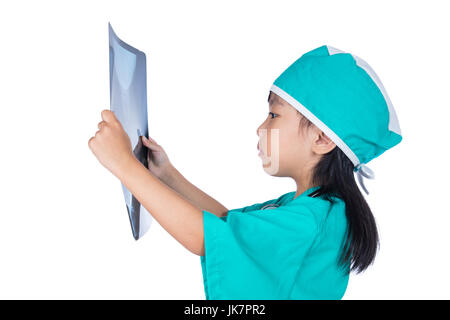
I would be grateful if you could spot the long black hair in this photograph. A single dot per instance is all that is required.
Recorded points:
(335, 176)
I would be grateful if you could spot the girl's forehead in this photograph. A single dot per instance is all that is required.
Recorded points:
(277, 103)
(274, 99)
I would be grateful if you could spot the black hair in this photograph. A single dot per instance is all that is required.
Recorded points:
(335, 176)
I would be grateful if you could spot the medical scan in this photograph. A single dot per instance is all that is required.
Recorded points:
(128, 101)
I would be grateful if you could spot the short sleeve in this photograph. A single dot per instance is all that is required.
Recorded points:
(257, 254)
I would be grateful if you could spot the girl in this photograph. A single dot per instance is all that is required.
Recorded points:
(329, 114)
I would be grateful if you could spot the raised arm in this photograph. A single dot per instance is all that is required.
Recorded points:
(162, 168)
(178, 216)
(175, 180)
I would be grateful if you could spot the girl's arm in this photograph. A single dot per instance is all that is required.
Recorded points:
(179, 217)
(175, 180)
(112, 147)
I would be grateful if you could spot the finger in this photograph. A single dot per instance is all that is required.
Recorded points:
(149, 144)
(146, 142)
(90, 142)
(152, 140)
(101, 124)
(108, 116)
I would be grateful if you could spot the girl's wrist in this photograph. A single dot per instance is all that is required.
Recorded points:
(126, 166)
(167, 174)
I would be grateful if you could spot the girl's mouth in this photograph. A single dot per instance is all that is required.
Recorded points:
(260, 151)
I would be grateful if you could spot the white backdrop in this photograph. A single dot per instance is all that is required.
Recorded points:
(64, 230)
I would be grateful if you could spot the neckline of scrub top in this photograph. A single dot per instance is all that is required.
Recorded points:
(303, 194)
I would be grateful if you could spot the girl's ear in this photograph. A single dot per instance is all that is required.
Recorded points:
(322, 144)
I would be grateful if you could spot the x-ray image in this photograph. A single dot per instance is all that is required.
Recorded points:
(128, 101)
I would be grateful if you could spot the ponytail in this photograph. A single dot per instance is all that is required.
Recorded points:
(334, 173)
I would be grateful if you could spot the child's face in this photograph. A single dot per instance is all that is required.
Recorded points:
(287, 150)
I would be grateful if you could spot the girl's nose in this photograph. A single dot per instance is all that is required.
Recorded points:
(261, 126)
(257, 130)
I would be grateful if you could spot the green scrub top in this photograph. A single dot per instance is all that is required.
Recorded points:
(283, 248)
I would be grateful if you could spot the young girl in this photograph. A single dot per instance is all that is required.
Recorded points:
(329, 114)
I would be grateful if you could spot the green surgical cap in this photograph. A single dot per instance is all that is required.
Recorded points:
(342, 95)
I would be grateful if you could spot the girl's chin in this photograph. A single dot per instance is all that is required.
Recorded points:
(266, 161)
(267, 164)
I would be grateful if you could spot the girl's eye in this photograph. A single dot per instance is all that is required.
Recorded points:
(272, 114)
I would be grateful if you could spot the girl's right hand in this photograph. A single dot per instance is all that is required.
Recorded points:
(158, 161)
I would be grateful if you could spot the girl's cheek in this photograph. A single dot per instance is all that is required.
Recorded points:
(274, 142)
(270, 140)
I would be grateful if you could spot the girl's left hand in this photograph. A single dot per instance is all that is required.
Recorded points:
(111, 144)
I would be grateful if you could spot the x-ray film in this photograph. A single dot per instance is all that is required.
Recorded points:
(128, 101)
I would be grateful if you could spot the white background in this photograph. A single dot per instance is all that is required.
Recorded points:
(64, 230)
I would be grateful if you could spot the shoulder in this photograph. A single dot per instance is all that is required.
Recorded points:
(298, 218)
(318, 207)
(280, 201)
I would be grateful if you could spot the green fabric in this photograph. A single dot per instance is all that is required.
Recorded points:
(344, 97)
(288, 252)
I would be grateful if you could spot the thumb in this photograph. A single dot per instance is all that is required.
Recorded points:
(149, 144)
(151, 140)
